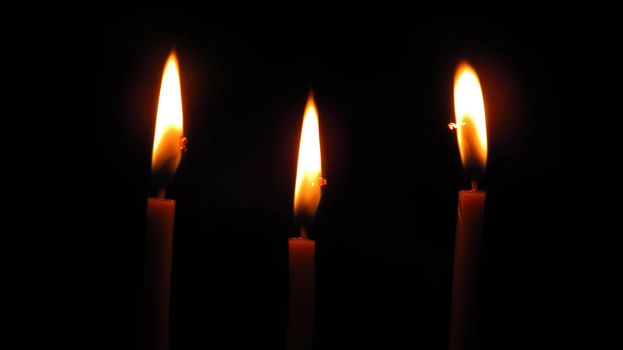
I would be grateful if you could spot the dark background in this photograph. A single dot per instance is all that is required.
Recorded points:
(386, 221)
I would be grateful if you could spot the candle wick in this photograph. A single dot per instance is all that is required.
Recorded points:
(474, 185)
(456, 126)
(322, 180)
(303, 232)
(183, 144)
(161, 193)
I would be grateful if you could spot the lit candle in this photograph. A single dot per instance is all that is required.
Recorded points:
(168, 144)
(472, 138)
(302, 249)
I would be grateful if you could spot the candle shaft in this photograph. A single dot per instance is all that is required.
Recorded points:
(465, 275)
(158, 255)
(302, 293)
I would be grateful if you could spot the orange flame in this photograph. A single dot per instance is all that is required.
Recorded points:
(309, 171)
(169, 124)
(469, 109)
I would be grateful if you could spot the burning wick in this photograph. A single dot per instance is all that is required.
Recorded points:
(322, 181)
(183, 143)
(474, 185)
(303, 233)
(453, 126)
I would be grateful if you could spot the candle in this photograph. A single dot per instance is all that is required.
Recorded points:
(302, 249)
(472, 138)
(168, 144)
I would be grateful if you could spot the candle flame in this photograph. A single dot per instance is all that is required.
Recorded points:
(169, 125)
(309, 170)
(469, 109)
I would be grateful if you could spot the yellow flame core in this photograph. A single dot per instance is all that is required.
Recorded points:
(309, 171)
(169, 121)
(469, 108)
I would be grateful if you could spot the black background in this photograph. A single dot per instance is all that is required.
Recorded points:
(385, 225)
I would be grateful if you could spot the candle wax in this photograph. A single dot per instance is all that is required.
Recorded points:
(302, 275)
(465, 275)
(158, 255)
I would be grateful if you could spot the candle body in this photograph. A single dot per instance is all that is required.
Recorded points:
(465, 275)
(302, 292)
(158, 256)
